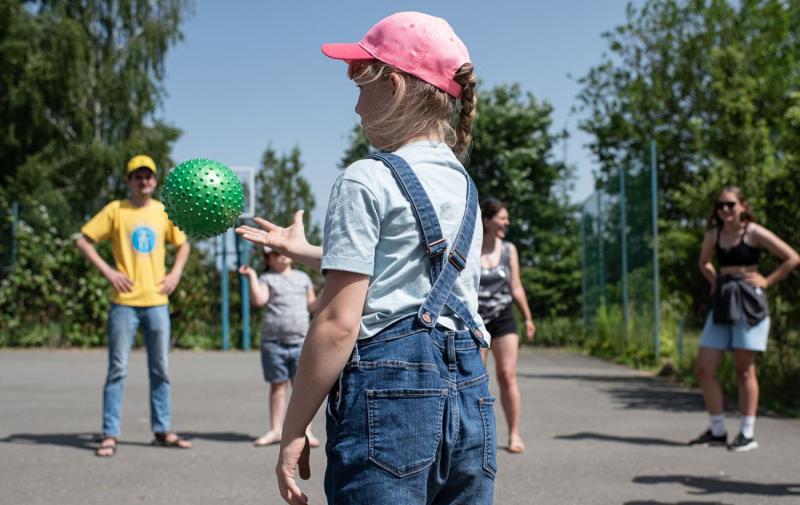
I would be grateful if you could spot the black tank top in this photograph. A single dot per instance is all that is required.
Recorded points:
(741, 254)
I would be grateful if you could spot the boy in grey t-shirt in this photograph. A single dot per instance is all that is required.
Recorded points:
(288, 298)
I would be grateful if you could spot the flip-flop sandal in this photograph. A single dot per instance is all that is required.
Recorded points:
(161, 441)
(107, 447)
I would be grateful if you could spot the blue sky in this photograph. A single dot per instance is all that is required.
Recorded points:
(250, 73)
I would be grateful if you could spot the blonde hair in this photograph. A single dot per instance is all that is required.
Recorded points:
(420, 108)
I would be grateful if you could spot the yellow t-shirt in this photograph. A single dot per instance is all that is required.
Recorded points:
(138, 236)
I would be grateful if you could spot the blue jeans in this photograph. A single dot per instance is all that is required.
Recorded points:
(123, 321)
(411, 421)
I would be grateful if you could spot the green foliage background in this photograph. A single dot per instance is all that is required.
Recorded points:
(715, 83)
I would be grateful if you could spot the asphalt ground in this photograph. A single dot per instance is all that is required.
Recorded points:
(596, 433)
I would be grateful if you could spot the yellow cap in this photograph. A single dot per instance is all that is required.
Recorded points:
(141, 161)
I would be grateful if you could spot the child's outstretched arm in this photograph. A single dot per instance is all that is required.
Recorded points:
(259, 292)
(312, 300)
(290, 241)
(326, 350)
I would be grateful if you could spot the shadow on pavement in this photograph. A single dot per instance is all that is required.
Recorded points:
(711, 485)
(86, 441)
(650, 502)
(217, 436)
(635, 392)
(589, 435)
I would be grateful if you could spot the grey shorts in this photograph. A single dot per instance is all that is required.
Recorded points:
(279, 360)
(739, 336)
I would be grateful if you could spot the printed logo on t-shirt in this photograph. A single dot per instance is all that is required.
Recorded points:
(143, 239)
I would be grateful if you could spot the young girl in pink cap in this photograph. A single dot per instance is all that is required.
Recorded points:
(395, 344)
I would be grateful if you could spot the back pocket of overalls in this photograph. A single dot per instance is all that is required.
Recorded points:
(405, 428)
(489, 437)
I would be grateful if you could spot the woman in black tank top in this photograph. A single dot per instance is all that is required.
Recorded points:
(739, 320)
(500, 289)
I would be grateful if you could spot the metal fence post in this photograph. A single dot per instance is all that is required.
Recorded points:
(623, 250)
(654, 199)
(601, 256)
(225, 300)
(584, 270)
(243, 247)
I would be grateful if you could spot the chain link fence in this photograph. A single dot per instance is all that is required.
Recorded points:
(619, 244)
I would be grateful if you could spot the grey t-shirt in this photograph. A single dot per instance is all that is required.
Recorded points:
(370, 229)
(286, 314)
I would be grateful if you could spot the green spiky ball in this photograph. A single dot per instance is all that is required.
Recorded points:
(203, 197)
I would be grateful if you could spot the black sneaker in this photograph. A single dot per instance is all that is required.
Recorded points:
(741, 444)
(707, 439)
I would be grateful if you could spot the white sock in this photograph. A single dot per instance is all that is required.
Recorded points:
(717, 425)
(748, 426)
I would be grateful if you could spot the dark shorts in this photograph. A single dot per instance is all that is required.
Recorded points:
(279, 360)
(503, 324)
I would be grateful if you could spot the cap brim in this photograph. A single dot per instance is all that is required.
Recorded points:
(346, 52)
(132, 170)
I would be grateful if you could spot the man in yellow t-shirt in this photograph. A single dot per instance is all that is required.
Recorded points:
(138, 229)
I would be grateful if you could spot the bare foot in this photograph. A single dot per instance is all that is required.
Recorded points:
(312, 440)
(515, 444)
(271, 437)
(108, 447)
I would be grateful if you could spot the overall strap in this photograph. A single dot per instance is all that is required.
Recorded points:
(443, 274)
(435, 243)
(441, 293)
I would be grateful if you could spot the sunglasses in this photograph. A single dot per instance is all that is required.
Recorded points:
(726, 205)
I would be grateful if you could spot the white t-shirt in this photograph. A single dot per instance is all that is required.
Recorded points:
(370, 229)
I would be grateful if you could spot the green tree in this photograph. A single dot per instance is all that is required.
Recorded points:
(281, 190)
(80, 86)
(711, 82)
(358, 149)
(80, 83)
(512, 159)
(716, 84)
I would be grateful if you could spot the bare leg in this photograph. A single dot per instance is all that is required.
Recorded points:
(506, 349)
(705, 369)
(277, 395)
(745, 363)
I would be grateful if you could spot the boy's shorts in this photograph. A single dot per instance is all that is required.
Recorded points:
(279, 361)
(735, 336)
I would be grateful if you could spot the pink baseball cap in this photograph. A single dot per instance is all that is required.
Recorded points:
(420, 44)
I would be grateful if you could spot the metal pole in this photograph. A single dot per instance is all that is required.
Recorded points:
(244, 249)
(623, 250)
(225, 300)
(601, 257)
(654, 199)
(584, 271)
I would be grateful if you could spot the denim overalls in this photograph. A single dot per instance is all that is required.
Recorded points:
(411, 420)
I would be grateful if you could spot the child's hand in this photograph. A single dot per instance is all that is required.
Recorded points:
(283, 240)
(246, 270)
(294, 455)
